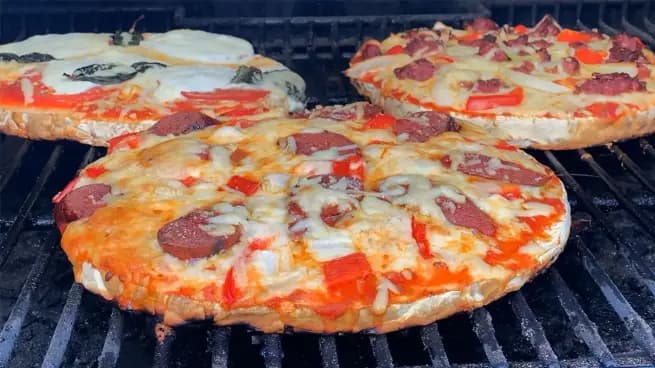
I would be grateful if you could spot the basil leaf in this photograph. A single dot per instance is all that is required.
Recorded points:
(247, 74)
(5, 56)
(102, 74)
(142, 66)
(35, 57)
(132, 38)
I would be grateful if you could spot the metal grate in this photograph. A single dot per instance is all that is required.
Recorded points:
(595, 306)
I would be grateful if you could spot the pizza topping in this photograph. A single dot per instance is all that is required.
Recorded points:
(494, 168)
(424, 43)
(540, 44)
(198, 234)
(611, 84)
(80, 203)
(423, 125)
(32, 57)
(354, 111)
(488, 85)
(243, 185)
(547, 26)
(246, 74)
(543, 55)
(569, 36)
(339, 183)
(419, 234)
(380, 121)
(521, 40)
(466, 214)
(482, 25)
(570, 65)
(131, 140)
(182, 123)
(499, 55)
(310, 143)
(526, 67)
(129, 38)
(371, 50)
(418, 70)
(486, 102)
(604, 110)
(626, 49)
(586, 55)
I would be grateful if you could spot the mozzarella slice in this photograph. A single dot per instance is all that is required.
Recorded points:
(61, 46)
(199, 46)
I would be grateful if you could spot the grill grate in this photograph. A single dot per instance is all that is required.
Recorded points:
(595, 306)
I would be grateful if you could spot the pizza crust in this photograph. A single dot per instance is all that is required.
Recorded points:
(50, 126)
(535, 132)
(178, 310)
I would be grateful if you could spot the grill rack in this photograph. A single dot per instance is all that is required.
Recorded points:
(602, 287)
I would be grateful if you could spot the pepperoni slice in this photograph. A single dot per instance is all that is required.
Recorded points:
(182, 123)
(184, 237)
(493, 168)
(340, 183)
(466, 214)
(354, 111)
(418, 70)
(331, 214)
(308, 143)
(423, 125)
(80, 203)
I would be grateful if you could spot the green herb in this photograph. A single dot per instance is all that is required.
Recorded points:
(247, 74)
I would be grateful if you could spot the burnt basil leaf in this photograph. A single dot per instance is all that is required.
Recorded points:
(142, 66)
(5, 56)
(131, 38)
(247, 74)
(103, 73)
(136, 38)
(117, 38)
(35, 57)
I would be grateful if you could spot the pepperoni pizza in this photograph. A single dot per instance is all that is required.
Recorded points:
(544, 87)
(343, 220)
(94, 87)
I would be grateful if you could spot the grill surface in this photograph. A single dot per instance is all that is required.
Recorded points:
(595, 306)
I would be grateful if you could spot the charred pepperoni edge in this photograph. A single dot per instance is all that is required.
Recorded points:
(182, 123)
(308, 143)
(466, 214)
(519, 175)
(80, 203)
(184, 239)
(423, 125)
(419, 70)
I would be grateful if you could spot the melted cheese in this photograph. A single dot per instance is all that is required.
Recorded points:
(172, 81)
(199, 46)
(60, 46)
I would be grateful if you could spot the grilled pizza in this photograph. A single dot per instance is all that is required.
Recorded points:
(343, 220)
(545, 87)
(94, 87)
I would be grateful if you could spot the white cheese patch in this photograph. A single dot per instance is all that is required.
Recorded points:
(199, 46)
(53, 71)
(336, 244)
(60, 46)
(172, 81)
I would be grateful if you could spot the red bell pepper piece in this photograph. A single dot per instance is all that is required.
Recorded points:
(243, 185)
(485, 102)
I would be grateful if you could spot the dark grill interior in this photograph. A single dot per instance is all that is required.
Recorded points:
(595, 306)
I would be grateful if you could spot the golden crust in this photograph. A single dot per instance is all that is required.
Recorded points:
(535, 132)
(50, 125)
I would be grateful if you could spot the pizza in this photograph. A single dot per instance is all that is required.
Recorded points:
(94, 87)
(347, 219)
(544, 87)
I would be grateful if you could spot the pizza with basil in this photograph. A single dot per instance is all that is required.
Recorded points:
(343, 220)
(544, 86)
(94, 87)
